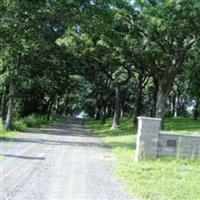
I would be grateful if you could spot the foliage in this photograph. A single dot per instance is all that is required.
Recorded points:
(108, 58)
(104, 57)
(31, 121)
(27, 124)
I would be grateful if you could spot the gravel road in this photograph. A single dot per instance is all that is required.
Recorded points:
(61, 162)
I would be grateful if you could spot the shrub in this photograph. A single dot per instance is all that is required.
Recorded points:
(31, 121)
(34, 121)
(19, 126)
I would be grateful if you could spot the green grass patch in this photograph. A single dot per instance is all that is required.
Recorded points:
(8, 134)
(182, 125)
(159, 179)
(26, 124)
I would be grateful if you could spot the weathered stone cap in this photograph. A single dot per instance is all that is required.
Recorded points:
(149, 118)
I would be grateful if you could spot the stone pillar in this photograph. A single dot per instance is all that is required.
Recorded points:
(147, 138)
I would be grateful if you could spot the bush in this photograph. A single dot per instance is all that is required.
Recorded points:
(35, 121)
(55, 118)
(19, 126)
(31, 121)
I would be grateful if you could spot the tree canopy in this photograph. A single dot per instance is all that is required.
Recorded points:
(109, 58)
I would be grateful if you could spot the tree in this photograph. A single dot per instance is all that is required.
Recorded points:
(27, 33)
(193, 73)
(170, 30)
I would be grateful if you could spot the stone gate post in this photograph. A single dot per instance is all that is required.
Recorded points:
(147, 138)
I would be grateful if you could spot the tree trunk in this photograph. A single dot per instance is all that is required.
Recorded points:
(172, 104)
(121, 113)
(109, 111)
(65, 105)
(196, 110)
(177, 102)
(57, 106)
(104, 115)
(154, 100)
(50, 109)
(164, 87)
(160, 106)
(3, 106)
(98, 113)
(12, 86)
(8, 123)
(116, 118)
(176, 106)
(138, 102)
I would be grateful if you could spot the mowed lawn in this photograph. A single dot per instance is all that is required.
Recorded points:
(159, 179)
(7, 134)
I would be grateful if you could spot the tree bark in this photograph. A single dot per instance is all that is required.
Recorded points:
(116, 118)
(104, 114)
(8, 123)
(66, 101)
(160, 106)
(12, 86)
(138, 102)
(176, 103)
(3, 106)
(167, 76)
(154, 100)
(176, 106)
(109, 111)
(50, 108)
(196, 110)
(164, 86)
(172, 105)
(98, 113)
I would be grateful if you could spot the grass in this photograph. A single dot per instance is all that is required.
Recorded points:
(182, 125)
(9, 134)
(159, 179)
(26, 124)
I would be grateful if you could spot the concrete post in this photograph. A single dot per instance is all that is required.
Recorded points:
(147, 138)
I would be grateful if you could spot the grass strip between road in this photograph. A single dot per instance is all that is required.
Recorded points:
(159, 179)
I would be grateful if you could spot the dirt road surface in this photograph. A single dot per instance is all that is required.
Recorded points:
(61, 162)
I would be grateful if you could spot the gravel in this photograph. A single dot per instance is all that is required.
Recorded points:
(60, 162)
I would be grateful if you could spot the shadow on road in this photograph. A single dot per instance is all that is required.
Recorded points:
(23, 157)
(73, 128)
(54, 142)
